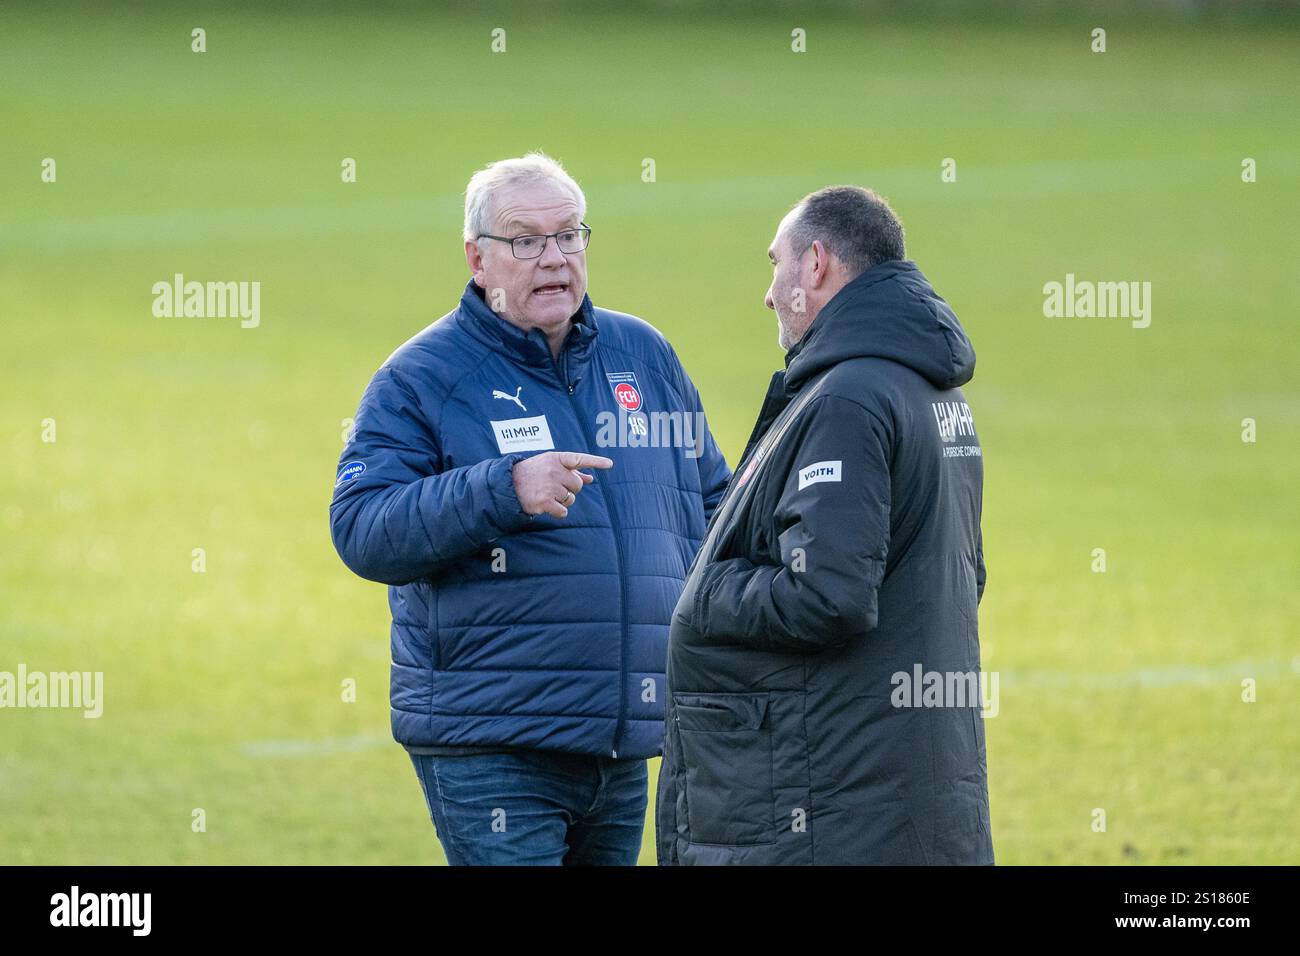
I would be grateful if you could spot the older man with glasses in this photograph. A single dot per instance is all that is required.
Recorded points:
(503, 482)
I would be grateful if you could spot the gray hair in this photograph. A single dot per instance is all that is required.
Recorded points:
(854, 223)
(535, 167)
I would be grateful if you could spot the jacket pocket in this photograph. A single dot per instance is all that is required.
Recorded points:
(726, 756)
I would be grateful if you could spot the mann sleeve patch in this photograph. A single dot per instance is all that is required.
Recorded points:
(350, 472)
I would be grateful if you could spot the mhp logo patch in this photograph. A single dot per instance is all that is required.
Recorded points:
(626, 391)
(523, 434)
(351, 470)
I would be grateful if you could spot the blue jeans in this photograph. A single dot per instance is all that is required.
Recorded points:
(535, 807)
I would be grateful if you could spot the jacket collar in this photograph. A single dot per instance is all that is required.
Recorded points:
(528, 347)
(841, 301)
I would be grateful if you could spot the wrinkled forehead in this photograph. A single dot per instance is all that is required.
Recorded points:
(533, 207)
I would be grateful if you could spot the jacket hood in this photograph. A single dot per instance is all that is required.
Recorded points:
(890, 311)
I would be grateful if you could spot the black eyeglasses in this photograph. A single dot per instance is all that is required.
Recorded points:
(530, 247)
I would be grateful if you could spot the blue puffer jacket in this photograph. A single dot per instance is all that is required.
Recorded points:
(516, 630)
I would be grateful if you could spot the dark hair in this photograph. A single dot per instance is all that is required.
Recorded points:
(852, 222)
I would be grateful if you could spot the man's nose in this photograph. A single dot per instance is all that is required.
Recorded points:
(552, 257)
(767, 299)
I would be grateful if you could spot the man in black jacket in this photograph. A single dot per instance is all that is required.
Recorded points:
(823, 661)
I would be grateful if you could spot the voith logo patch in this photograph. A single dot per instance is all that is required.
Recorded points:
(626, 391)
(820, 471)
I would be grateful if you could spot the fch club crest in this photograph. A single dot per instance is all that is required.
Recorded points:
(626, 391)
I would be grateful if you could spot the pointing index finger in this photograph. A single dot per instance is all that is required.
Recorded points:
(573, 459)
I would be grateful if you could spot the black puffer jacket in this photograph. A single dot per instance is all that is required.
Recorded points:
(823, 662)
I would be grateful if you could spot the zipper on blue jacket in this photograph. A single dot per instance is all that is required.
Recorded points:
(618, 551)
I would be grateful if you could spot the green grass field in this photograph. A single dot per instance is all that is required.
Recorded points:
(1118, 690)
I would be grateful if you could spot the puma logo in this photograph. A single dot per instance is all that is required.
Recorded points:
(497, 393)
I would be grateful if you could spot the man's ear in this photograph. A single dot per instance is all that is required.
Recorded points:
(821, 264)
(474, 259)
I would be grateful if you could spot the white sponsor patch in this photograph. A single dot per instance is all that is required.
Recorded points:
(523, 434)
(819, 471)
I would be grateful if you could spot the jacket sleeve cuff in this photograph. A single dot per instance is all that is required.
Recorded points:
(507, 512)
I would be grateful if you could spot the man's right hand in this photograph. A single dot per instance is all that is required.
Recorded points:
(549, 483)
